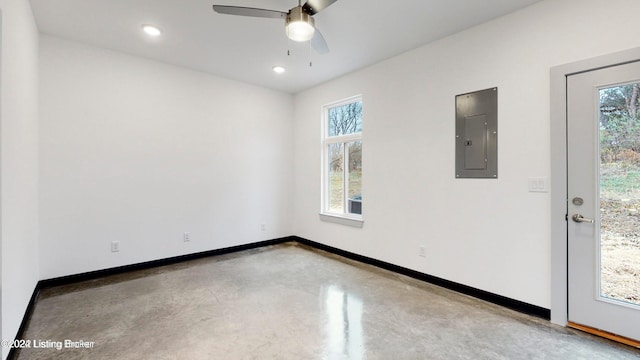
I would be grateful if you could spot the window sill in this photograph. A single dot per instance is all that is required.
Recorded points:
(342, 220)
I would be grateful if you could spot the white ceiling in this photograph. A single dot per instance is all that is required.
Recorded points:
(359, 33)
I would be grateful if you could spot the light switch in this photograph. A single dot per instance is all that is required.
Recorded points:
(539, 184)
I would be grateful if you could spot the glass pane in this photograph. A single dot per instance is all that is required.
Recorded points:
(620, 193)
(355, 177)
(345, 119)
(336, 178)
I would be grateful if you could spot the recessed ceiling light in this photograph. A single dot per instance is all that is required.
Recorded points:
(279, 69)
(151, 30)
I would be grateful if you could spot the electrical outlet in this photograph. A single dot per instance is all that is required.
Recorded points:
(423, 251)
(186, 237)
(263, 227)
(115, 246)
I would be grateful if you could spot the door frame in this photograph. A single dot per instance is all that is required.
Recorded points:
(558, 182)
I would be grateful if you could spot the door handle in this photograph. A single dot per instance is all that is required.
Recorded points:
(580, 219)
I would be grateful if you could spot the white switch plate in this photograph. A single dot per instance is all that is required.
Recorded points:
(539, 184)
(186, 237)
(115, 246)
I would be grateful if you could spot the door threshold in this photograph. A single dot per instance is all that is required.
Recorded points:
(605, 334)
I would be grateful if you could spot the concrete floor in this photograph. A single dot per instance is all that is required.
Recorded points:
(289, 302)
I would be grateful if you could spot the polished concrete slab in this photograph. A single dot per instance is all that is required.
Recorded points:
(288, 302)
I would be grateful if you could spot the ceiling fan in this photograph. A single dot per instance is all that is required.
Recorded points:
(298, 22)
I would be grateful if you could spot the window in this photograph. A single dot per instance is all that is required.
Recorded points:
(342, 159)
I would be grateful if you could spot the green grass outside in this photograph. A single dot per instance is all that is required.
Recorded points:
(619, 180)
(337, 189)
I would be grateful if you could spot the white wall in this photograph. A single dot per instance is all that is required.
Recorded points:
(18, 161)
(139, 152)
(489, 234)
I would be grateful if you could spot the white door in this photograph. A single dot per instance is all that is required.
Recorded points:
(604, 199)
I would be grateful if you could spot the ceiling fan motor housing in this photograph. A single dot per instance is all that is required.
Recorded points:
(299, 25)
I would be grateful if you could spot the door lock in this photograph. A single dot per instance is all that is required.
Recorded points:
(580, 219)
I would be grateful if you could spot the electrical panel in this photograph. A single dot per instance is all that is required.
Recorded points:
(477, 134)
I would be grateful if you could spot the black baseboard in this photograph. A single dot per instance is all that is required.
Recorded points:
(464, 289)
(13, 353)
(70, 279)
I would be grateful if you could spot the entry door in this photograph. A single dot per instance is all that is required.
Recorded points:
(604, 199)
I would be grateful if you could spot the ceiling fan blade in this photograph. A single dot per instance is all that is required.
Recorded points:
(318, 43)
(313, 7)
(246, 11)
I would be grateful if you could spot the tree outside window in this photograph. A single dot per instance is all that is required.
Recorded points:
(342, 158)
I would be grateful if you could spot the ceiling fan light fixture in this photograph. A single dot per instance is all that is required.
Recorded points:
(299, 26)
